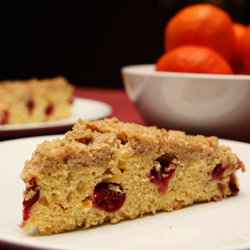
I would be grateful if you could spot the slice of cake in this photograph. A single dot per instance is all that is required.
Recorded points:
(108, 171)
(35, 100)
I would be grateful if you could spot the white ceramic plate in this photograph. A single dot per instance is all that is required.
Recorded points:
(215, 226)
(82, 108)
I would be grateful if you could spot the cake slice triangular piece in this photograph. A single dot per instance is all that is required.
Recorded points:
(108, 171)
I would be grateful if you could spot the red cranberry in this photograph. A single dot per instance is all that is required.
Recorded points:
(108, 199)
(27, 204)
(218, 172)
(233, 185)
(50, 109)
(30, 106)
(5, 117)
(162, 177)
(240, 165)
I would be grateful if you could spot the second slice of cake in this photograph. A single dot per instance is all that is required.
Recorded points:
(35, 100)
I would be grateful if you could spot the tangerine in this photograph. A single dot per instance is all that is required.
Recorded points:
(239, 33)
(193, 59)
(201, 24)
(246, 50)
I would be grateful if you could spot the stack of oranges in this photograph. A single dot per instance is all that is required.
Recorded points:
(203, 38)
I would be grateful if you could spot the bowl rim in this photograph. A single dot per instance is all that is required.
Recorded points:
(148, 70)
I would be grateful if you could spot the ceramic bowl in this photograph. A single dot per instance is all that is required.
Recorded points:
(196, 103)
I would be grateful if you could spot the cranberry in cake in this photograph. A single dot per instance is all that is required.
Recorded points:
(35, 100)
(109, 171)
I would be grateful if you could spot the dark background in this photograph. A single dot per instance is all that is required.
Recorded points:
(88, 41)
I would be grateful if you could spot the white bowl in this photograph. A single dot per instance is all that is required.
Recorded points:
(196, 103)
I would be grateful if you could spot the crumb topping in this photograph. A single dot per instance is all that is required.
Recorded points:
(12, 91)
(100, 141)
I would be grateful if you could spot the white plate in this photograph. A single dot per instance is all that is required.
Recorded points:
(86, 109)
(214, 226)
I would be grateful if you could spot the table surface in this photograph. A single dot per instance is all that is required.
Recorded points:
(122, 107)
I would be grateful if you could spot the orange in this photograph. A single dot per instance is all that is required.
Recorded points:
(246, 50)
(201, 24)
(193, 59)
(239, 33)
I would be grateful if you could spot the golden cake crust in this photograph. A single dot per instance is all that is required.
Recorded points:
(145, 140)
(12, 91)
